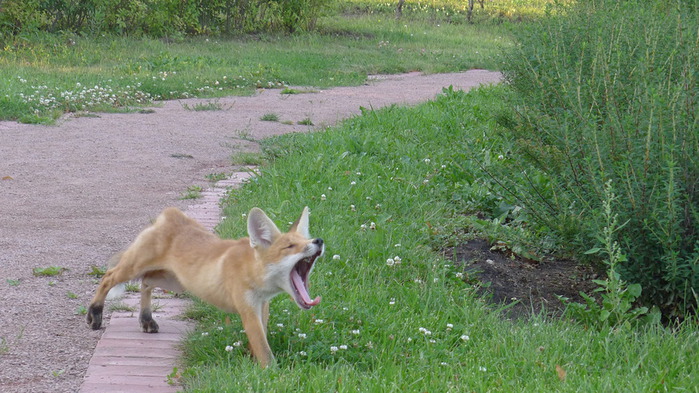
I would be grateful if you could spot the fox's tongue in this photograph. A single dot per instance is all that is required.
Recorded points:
(302, 290)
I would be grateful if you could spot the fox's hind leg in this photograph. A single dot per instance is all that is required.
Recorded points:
(132, 264)
(145, 318)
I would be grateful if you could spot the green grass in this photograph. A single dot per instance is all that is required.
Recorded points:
(393, 183)
(43, 76)
(50, 271)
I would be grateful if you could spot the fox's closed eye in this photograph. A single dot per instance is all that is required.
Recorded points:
(289, 246)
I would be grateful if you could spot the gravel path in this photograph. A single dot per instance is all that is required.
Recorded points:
(73, 194)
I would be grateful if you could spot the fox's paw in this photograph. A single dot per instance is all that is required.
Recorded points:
(147, 323)
(94, 317)
(149, 326)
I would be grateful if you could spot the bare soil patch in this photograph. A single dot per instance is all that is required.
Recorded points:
(532, 286)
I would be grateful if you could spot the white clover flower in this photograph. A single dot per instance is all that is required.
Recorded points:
(427, 160)
(353, 208)
(450, 326)
(425, 181)
(333, 349)
(410, 339)
(220, 328)
(229, 348)
(390, 262)
(302, 335)
(392, 301)
(372, 225)
(303, 353)
(433, 341)
(480, 368)
(353, 183)
(363, 227)
(465, 337)
(443, 364)
(459, 275)
(330, 188)
(281, 325)
(204, 334)
(319, 321)
(343, 346)
(323, 197)
(355, 331)
(397, 260)
(336, 257)
(237, 343)
(397, 245)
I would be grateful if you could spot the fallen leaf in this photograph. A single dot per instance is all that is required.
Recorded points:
(561, 373)
(7, 178)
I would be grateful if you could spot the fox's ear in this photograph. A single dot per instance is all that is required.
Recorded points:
(261, 229)
(301, 225)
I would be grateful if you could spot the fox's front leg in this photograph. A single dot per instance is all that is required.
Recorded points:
(257, 337)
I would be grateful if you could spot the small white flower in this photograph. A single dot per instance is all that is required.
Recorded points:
(229, 348)
(330, 188)
(372, 225)
(302, 335)
(427, 160)
(244, 215)
(281, 325)
(359, 173)
(425, 181)
(336, 257)
(450, 326)
(319, 321)
(343, 346)
(397, 245)
(390, 262)
(333, 349)
(410, 339)
(353, 183)
(465, 337)
(392, 301)
(459, 275)
(353, 208)
(237, 343)
(433, 341)
(220, 328)
(204, 334)
(444, 166)
(363, 227)
(323, 197)
(303, 353)
(397, 260)
(443, 364)
(480, 368)
(356, 331)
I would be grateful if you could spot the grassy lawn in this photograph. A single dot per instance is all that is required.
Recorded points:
(416, 325)
(48, 75)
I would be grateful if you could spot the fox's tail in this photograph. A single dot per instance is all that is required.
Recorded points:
(120, 289)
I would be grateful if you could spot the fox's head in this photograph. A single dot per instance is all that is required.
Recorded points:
(288, 257)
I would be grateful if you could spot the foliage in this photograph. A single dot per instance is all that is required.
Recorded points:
(609, 91)
(617, 297)
(159, 18)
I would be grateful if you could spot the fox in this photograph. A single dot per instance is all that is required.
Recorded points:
(239, 276)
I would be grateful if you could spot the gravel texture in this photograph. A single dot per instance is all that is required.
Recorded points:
(73, 194)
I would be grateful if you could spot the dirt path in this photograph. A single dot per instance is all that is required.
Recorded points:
(73, 194)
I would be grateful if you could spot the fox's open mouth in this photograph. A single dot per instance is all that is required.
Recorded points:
(299, 281)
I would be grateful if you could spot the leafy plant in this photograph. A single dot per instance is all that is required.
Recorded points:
(97, 271)
(71, 295)
(12, 282)
(617, 296)
(216, 177)
(305, 122)
(50, 271)
(193, 192)
(270, 117)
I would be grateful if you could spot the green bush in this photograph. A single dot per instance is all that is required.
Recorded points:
(609, 90)
(159, 18)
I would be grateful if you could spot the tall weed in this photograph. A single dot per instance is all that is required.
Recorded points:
(608, 91)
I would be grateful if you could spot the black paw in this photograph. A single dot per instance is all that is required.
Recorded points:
(94, 317)
(147, 323)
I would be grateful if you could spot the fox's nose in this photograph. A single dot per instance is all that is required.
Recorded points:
(318, 242)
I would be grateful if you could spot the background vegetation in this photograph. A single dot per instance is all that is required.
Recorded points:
(608, 92)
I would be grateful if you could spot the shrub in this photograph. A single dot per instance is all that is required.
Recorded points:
(609, 91)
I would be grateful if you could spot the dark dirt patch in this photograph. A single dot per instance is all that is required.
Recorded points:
(534, 286)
